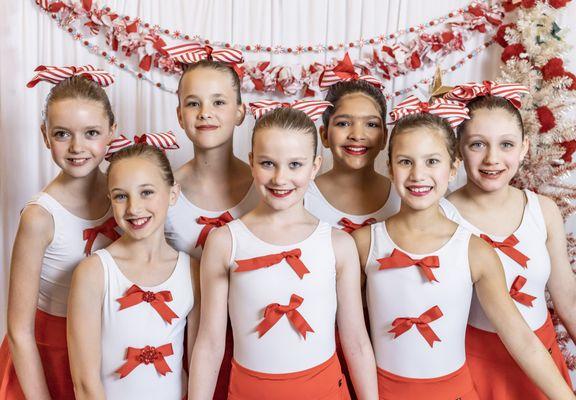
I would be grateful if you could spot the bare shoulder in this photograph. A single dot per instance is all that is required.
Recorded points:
(549, 207)
(90, 268)
(36, 219)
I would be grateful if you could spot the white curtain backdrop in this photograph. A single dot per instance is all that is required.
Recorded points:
(28, 38)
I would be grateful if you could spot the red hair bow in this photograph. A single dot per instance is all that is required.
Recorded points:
(452, 111)
(312, 108)
(469, 91)
(163, 141)
(56, 75)
(189, 53)
(345, 71)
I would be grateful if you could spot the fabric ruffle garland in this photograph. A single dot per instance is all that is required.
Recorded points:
(138, 47)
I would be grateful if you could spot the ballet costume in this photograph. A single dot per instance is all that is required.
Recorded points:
(282, 305)
(143, 333)
(186, 229)
(418, 306)
(74, 238)
(318, 205)
(526, 263)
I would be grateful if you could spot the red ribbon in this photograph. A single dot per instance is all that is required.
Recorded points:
(520, 297)
(275, 311)
(507, 247)
(292, 258)
(106, 228)
(211, 223)
(134, 295)
(401, 325)
(399, 259)
(469, 91)
(349, 226)
(146, 355)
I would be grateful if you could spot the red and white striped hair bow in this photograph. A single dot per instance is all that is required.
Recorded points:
(469, 91)
(452, 111)
(345, 71)
(56, 75)
(163, 141)
(312, 108)
(189, 53)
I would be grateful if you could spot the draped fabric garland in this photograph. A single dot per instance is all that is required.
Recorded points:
(531, 56)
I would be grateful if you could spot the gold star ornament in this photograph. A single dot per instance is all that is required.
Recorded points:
(437, 89)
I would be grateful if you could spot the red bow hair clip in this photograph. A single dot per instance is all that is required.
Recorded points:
(163, 141)
(469, 91)
(312, 108)
(345, 71)
(56, 75)
(452, 111)
(190, 53)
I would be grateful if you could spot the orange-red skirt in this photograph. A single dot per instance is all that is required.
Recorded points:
(495, 373)
(50, 332)
(455, 386)
(323, 382)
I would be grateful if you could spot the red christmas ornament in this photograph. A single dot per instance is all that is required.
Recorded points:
(546, 119)
(569, 149)
(511, 51)
(553, 69)
(558, 3)
(499, 37)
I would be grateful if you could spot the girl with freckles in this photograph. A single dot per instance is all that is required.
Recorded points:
(421, 269)
(285, 278)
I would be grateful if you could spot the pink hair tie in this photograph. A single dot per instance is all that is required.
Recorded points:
(469, 91)
(345, 71)
(163, 141)
(312, 108)
(56, 75)
(453, 112)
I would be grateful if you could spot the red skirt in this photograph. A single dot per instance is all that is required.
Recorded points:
(455, 386)
(323, 382)
(495, 373)
(50, 332)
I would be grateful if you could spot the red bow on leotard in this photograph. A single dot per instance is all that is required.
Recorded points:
(211, 223)
(146, 355)
(275, 311)
(401, 325)
(134, 295)
(399, 259)
(292, 257)
(106, 228)
(350, 226)
(520, 297)
(507, 247)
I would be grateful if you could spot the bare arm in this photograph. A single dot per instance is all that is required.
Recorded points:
(33, 237)
(355, 342)
(194, 315)
(520, 341)
(562, 282)
(84, 329)
(209, 347)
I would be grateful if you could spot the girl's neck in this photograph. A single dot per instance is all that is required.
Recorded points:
(484, 199)
(348, 177)
(86, 187)
(278, 218)
(218, 162)
(426, 220)
(150, 249)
